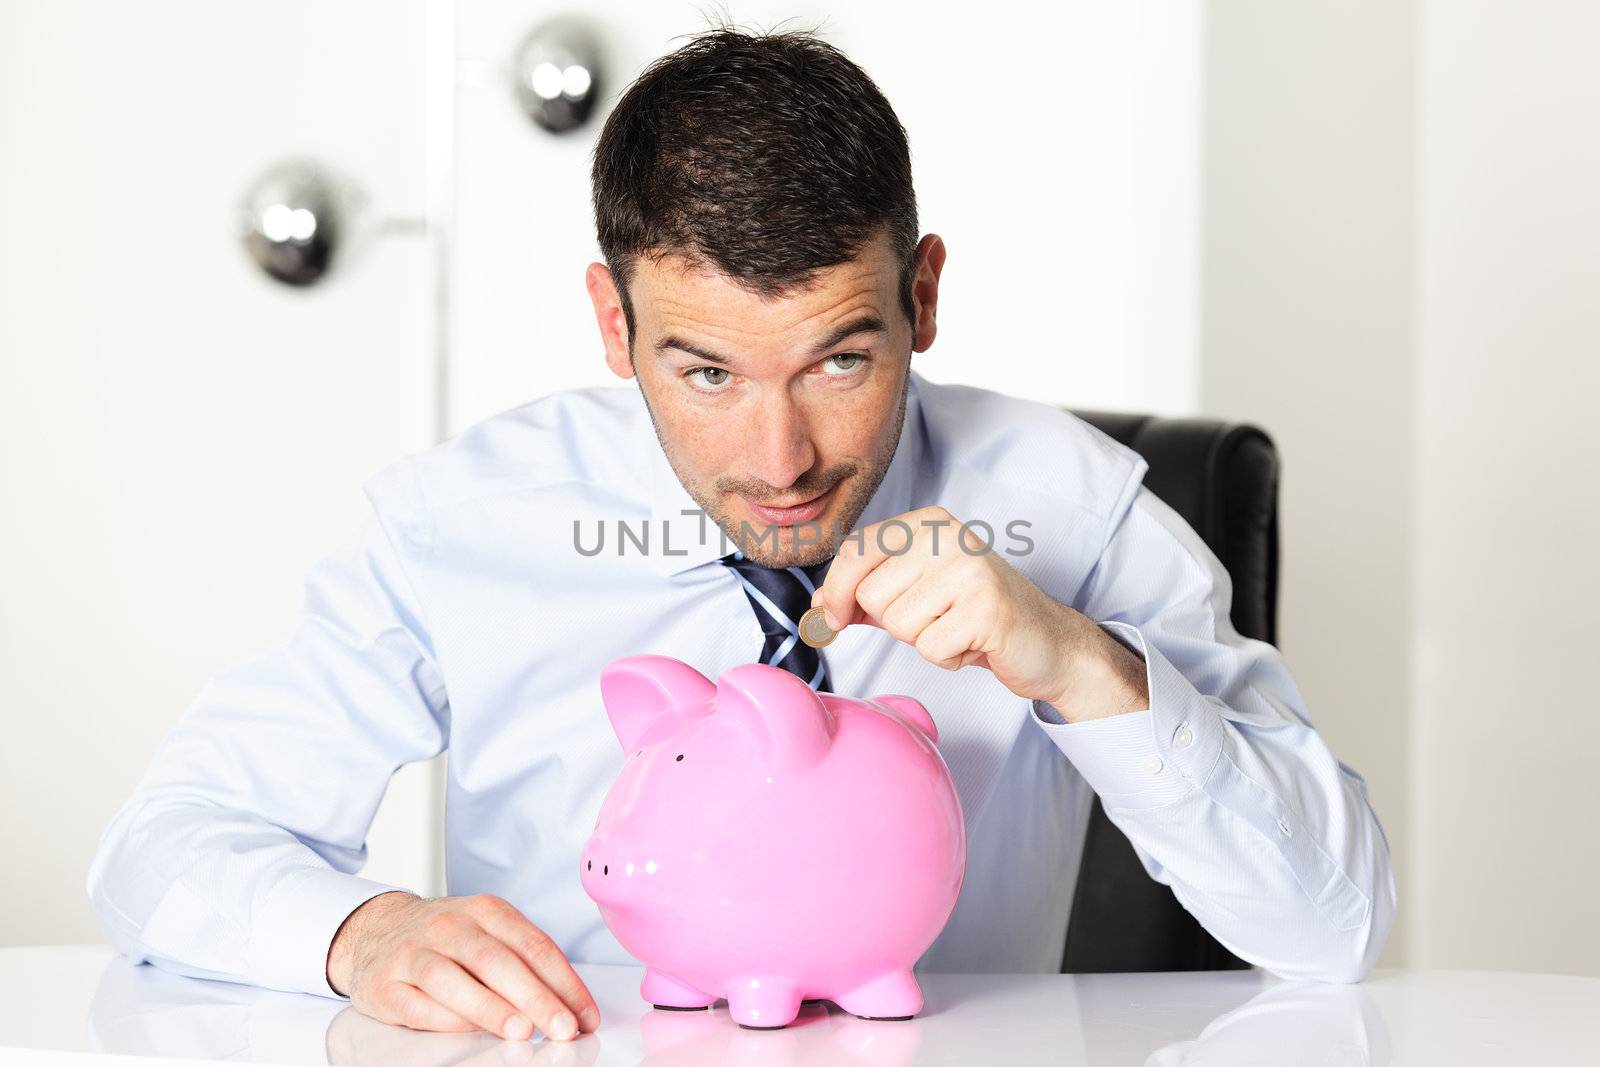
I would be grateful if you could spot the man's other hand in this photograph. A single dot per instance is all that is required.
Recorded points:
(458, 963)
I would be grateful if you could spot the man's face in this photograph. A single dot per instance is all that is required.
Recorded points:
(779, 415)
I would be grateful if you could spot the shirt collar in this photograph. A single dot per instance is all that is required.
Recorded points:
(678, 526)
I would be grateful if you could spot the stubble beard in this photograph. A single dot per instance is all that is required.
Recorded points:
(820, 540)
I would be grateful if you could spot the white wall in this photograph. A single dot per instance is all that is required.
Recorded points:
(1307, 312)
(180, 438)
(1506, 855)
(1401, 269)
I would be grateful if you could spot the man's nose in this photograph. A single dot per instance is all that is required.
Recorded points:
(782, 449)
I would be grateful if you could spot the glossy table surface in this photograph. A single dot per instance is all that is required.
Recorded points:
(84, 1003)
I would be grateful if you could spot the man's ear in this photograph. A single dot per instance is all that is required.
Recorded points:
(925, 291)
(652, 696)
(609, 317)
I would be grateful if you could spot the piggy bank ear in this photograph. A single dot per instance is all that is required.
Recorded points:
(790, 723)
(911, 711)
(652, 695)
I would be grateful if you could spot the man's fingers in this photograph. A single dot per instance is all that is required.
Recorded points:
(504, 972)
(912, 539)
(406, 1005)
(447, 982)
(855, 558)
(548, 963)
(947, 642)
(897, 591)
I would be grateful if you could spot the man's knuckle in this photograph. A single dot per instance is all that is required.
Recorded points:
(932, 650)
(973, 569)
(540, 1001)
(538, 947)
(870, 595)
(407, 1011)
(485, 955)
(441, 926)
(432, 969)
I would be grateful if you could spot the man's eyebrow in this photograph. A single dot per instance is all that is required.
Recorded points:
(867, 323)
(671, 341)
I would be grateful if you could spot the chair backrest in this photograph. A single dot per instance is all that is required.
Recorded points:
(1223, 479)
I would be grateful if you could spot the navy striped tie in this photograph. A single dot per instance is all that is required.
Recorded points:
(780, 596)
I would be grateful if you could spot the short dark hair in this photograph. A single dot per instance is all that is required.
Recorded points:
(768, 156)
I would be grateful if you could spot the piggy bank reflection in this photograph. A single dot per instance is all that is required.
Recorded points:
(772, 845)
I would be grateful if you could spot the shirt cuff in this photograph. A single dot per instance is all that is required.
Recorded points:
(1142, 759)
(294, 928)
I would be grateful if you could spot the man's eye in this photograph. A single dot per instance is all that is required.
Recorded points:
(712, 379)
(844, 362)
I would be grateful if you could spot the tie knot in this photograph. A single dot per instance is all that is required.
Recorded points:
(780, 594)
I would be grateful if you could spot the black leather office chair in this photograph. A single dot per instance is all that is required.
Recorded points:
(1223, 479)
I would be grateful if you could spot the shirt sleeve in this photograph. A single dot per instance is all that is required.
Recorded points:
(1222, 785)
(236, 856)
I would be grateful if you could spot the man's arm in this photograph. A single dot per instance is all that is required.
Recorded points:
(1196, 739)
(235, 856)
(1224, 788)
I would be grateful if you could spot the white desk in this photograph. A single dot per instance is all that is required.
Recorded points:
(86, 1004)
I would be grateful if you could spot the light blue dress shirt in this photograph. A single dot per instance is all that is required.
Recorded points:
(468, 613)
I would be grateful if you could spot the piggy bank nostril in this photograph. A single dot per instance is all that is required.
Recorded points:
(591, 865)
(606, 869)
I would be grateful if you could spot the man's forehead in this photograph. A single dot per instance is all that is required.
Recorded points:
(673, 293)
(792, 317)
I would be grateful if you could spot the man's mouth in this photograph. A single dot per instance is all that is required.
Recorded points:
(804, 511)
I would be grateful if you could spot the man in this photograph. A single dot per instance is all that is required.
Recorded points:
(997, 558)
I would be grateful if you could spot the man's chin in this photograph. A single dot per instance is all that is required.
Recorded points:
(801, 545)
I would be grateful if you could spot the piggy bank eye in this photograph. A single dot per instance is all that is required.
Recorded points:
(679, 759)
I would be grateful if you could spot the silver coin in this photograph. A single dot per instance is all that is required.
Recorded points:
(814, 629)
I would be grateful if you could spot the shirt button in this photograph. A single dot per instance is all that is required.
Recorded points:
(1283, 828)
(1184, 737)
(1154, 764)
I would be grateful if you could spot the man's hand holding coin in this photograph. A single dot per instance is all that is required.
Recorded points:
(960, 603)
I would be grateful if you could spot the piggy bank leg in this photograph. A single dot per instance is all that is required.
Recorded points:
(894, 996)
(763, 1003)
(671, 994)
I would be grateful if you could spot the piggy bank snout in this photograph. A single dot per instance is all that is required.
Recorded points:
(598, 855)
(610, 871)
(595, 873)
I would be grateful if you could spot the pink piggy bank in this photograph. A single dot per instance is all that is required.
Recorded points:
(773, 845)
